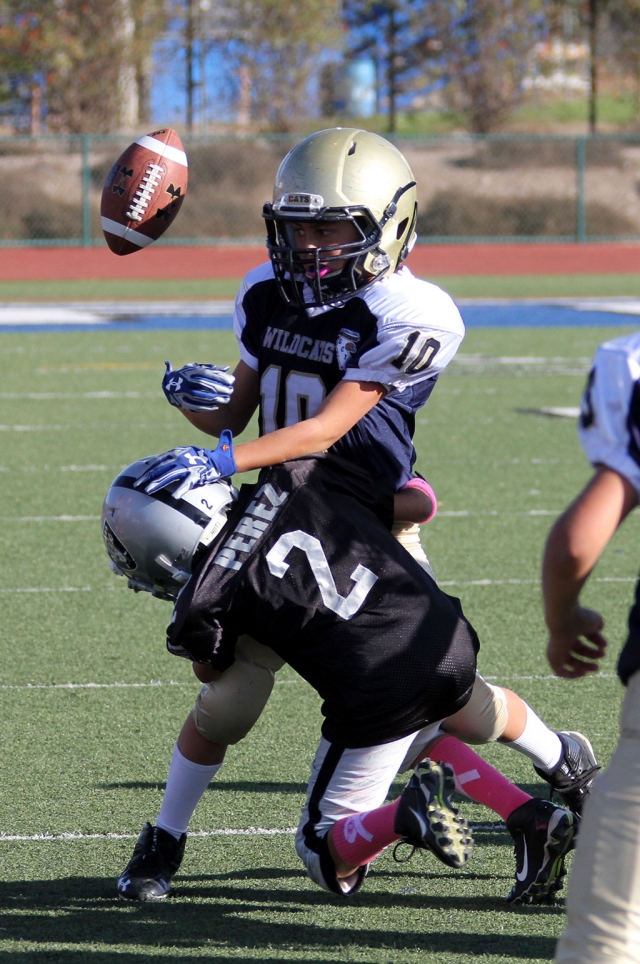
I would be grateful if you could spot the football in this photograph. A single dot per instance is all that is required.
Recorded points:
(144, 191)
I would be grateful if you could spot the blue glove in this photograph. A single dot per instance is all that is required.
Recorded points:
(198, 388)
(191, 466)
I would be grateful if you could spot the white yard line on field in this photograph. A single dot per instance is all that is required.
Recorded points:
(244, 832)
(73, 835)
(441, 582)
(155, 684)
(50, 518)
(103, 313)
(49, 396)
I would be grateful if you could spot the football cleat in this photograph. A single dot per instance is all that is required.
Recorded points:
(573, 777)
(156, 858)
(543, 836)
(426, 819)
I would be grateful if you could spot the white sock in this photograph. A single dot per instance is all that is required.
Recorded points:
(186, 782)
(538, 742)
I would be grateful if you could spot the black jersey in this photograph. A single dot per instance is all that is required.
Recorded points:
(610, 434)
(306, 566)
(400, 332)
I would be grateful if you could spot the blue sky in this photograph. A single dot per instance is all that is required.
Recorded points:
(169, 98)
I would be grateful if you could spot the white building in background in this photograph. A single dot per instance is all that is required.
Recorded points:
(558, 66)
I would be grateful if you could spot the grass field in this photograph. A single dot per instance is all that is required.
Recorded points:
(460, 286)
(91, 702)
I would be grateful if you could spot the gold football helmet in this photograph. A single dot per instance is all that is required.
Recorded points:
(340, 174)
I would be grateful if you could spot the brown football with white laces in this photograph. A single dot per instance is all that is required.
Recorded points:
(144, 191)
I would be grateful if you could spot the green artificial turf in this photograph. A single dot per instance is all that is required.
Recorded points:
(460, 286)
(91, 703)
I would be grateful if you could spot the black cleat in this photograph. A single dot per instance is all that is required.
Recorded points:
(543, 836)
(156, 858)
(573, 778)
(426, 819)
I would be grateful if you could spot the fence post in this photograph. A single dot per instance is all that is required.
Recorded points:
(86, 193)
(581, 211)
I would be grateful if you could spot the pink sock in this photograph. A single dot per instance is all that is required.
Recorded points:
(478, 779)
(359, 839)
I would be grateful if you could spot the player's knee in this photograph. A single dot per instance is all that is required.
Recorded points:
(313, 851)
(483, 719)
(248, 650)
(228, 708)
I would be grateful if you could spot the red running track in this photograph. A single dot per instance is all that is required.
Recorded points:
(183, 262)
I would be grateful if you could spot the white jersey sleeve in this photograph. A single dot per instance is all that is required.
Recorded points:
(248, 351)
(609, 427)
(419, 330)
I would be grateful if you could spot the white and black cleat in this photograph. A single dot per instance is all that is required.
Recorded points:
(543, 836)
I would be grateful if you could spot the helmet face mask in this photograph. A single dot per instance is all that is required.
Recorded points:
(331, 271)
(155, 540)
(340, 175)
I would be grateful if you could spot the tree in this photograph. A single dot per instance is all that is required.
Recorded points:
(624, 20)
(93, 58)
(399, 36)
(268, 53)
(473, 50)
(279, 47)
(484, 46)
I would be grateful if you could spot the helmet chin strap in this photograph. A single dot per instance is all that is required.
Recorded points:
(178, 574)
(392, 206)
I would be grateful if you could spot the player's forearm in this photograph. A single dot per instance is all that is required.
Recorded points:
(563, 576)
(577, 540)
(342, 408)
(303, 438)
(214, 422)
(236, 413)
(211, 423)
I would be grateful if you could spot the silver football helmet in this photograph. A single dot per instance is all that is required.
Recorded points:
(341, 174)
(154, 540)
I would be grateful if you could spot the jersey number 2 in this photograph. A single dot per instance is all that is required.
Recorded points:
(344, 606)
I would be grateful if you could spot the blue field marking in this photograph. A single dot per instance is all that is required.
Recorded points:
(561, 313)
(116, 316)
(217, 315)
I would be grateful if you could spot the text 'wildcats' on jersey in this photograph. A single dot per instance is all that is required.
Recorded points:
(400, 332)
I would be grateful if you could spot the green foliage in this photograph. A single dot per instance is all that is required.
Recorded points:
(92, 57)
(617, 112)
(485, 45)
(275, 52)
(552, 115)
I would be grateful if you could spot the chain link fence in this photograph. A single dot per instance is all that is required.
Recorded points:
(470, 188)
